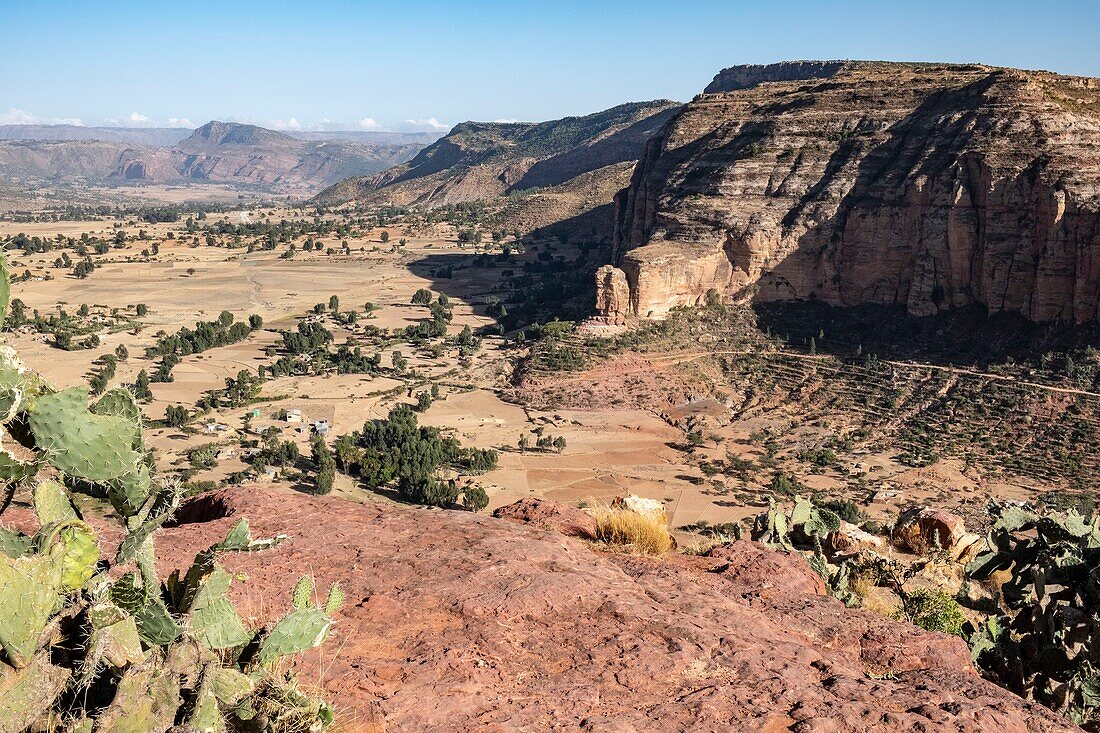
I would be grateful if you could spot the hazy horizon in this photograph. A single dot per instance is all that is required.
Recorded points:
(425, 66)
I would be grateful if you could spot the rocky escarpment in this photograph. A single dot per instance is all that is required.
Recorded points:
(927, 186)
(749, 75)
(457, 622)
(550, 171)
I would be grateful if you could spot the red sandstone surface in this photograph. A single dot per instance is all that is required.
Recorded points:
(463, 622)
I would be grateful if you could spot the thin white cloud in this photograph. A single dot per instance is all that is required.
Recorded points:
(324, 125)
(137, 119)
(22, 117)
(507, 121)
(430, 123)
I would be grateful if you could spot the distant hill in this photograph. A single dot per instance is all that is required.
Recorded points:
(27, 162)
(167, 136)
(150, 136)
(486, 160)
(217, 152)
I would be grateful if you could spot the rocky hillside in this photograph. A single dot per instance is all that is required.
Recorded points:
(228, 152)
(24, 162)
(217, 152)
(487, 160)
(923, 185)
(506, 627)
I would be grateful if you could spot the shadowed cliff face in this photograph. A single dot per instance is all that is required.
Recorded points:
(931, 187)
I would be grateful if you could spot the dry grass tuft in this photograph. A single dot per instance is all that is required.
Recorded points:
(644, 534)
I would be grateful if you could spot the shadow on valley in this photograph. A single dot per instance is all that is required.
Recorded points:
(552, 279)
(962, 337)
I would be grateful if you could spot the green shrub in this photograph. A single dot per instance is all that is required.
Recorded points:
(846, 509)
(475, 498)
(934, 610)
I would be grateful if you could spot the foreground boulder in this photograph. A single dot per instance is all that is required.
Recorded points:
(640, 505)
(551, 515)
(922, 528)
(848, 538)
(460, 622)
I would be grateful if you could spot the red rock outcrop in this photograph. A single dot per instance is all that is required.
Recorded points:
(459, 622)
(551, 515)
(927, 186)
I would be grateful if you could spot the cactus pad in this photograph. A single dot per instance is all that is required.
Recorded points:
(156, 625)
(146, 702)
(13, 383)
(13, 470)
(229, 685)
(15, 544)
(335, 599)
(79, 443)
(74, 551)
(129, 593)
(5, 288)
(52, 503)
(214, 621)
(302, 595)
(128, 493)
(117, 643)
(298, 631)
(27, 694)
(29, 587)
(240, 539)
(120, 403)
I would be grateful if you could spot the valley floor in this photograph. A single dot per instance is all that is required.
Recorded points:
(626, 420)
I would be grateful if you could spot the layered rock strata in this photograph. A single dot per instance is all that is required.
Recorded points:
(927, 186)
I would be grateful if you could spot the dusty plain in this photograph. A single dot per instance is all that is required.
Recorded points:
(623, 420)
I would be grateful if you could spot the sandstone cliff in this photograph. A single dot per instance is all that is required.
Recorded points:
(456, 622)
(929, 186)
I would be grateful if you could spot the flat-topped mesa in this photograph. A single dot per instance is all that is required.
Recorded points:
(744, 76)
(931, 186)
(749, 75)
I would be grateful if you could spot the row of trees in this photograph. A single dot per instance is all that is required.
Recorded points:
(205, 335)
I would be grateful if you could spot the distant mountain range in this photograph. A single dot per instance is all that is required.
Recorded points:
(151, 136)
(217, 152)
(168, 136)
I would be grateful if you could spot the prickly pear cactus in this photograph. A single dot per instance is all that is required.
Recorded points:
(142, 654)
(80, 443)
(806, 524)
(1046, 642)
(305, 627)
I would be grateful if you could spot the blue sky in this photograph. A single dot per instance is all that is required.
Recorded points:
(415, 64)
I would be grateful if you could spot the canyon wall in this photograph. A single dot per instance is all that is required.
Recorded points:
(923, 185)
